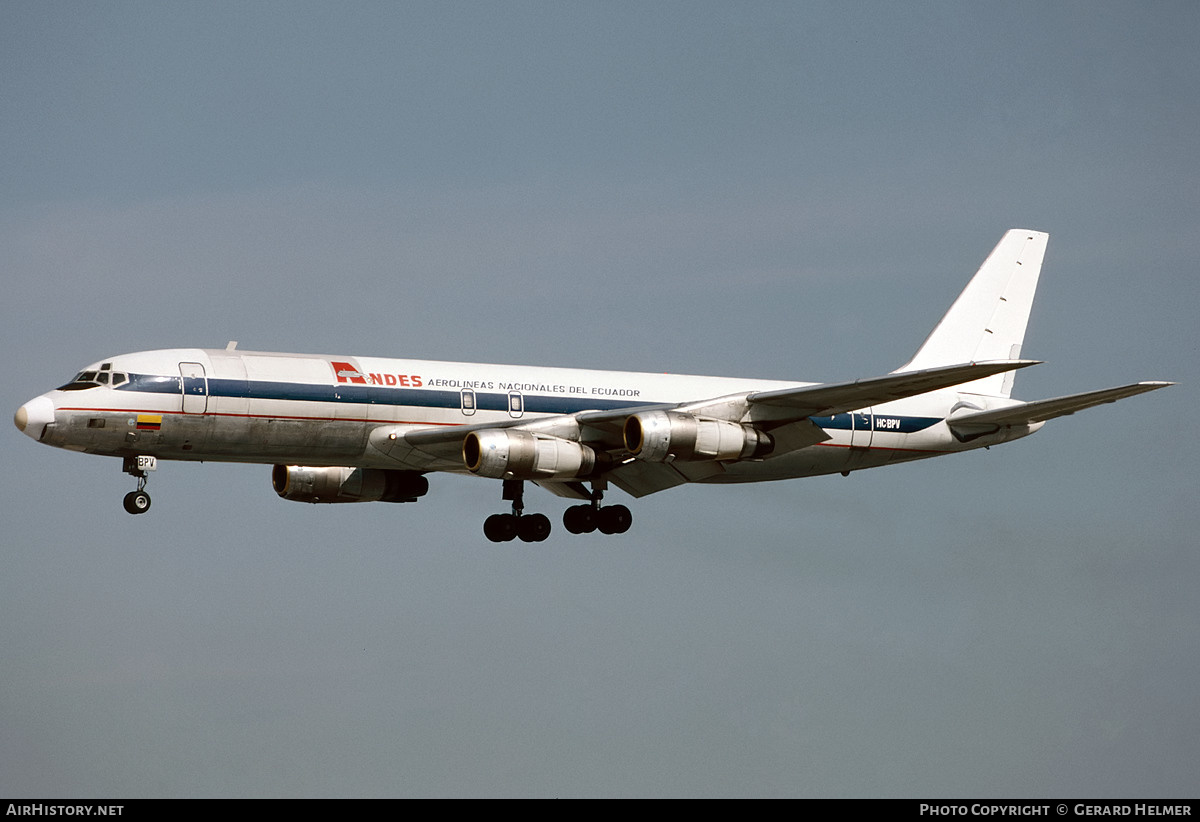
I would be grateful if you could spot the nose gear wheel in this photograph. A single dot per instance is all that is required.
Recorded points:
(135, 502)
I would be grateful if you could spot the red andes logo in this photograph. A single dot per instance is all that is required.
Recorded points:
(346, 372)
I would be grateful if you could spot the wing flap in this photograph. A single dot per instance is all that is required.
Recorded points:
(567, 490)
(792, 436)
(639, 479)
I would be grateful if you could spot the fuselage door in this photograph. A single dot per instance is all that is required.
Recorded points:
(194, 385)
(862, 428)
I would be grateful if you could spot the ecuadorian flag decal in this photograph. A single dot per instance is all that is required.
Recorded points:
(149, 422)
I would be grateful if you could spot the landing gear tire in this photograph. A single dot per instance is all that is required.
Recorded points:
(137, 502)
(615, 519)
(580, 519)
(500, 527)
(533, 528)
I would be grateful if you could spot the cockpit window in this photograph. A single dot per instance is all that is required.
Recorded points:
(93, 379)
(79, 383)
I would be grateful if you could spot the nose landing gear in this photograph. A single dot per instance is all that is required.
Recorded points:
(138, 502)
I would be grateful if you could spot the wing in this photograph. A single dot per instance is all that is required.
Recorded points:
(783, 413)
(838, 398)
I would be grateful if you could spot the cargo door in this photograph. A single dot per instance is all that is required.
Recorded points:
(862, 428)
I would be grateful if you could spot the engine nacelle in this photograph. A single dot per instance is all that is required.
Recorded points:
(663, 436)
(304, 484)
(503, 453)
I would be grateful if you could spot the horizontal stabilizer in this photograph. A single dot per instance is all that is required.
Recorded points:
(1042, 410)
(838, 398)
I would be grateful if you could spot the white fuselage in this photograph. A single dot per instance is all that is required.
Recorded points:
(254, 407)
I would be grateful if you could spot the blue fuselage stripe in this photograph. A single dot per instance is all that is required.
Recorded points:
(369, 395)
(876, 422)
(452, 400)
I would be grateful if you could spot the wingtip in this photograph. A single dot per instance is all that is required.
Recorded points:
(1012, 364)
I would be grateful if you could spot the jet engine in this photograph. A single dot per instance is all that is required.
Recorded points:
(304, 484)
(664, 436)
(504, 453)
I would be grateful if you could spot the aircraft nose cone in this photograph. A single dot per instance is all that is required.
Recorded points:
(32, 417)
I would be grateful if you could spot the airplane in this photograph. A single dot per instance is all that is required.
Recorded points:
(340, 429)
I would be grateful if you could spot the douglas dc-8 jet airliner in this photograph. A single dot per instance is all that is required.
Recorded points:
(358, 429)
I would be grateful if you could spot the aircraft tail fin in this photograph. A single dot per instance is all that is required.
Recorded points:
(988, 320)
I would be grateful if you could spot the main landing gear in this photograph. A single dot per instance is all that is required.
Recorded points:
(137, 502)
(507, 527)
(578, 519)
(590, 516)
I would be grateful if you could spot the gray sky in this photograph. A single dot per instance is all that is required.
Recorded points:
(789, 191)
